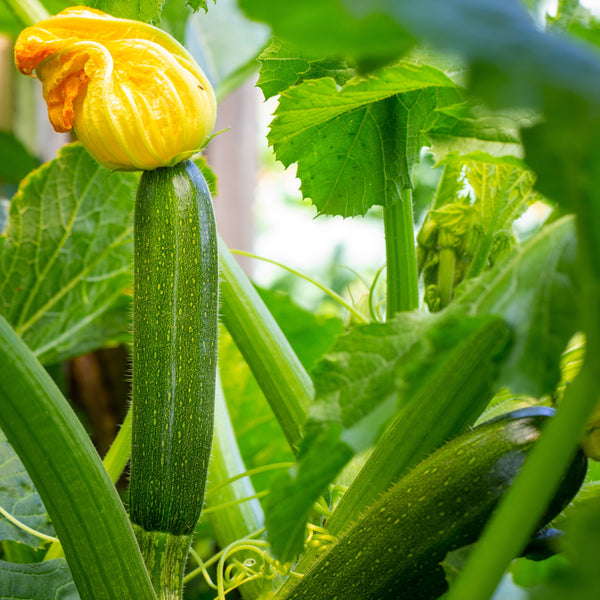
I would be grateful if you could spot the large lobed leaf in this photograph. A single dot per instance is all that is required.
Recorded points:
(49, 580)
(283, 65)
(67, 254)
(356, 147)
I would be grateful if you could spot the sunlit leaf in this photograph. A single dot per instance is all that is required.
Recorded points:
(470, 226)
(465, 128)
(148, 10)
(198, 4)
(356, 147)
(283, 65)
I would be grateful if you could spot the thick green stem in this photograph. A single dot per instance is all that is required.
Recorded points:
(114, 462)
(282, 378)
(446, 275)
(402, 282)
(82, 502)
(165, 556)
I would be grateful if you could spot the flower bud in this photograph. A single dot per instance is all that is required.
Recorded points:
(133, 95)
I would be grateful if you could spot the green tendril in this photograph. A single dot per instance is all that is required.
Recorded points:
(20, 525)
(234, 502)
(319, 538)
(374, 309)
(351, 309)
(250, 472)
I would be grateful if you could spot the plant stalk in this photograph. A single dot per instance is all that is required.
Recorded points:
(165, 556)
(401, 256)
(278, 371)
(86, 511)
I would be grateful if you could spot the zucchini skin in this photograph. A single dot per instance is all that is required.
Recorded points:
(395, 550)
(175, 312)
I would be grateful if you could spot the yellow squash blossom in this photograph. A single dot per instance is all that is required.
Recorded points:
(133, 95)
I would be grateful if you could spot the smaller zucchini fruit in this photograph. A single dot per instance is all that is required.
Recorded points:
(394, 551)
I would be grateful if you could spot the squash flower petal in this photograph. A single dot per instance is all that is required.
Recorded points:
(134, 96)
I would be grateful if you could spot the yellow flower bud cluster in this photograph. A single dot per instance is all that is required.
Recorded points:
(134, 96)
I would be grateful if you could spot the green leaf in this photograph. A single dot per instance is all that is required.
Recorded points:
(467, 127)
(198, 4)
(534, 291)
(355, 147)
(283, 65)
(139, 10)
(67, 253)
(513, 60)
(174, 18)
(210, 38)
(15, 160)
(503, 189)
(111, 328)
(325, 28)
(48, 580)
(19, 497)
(370, 374)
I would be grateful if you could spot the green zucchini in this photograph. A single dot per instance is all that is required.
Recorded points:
(394, 551)
(174, 353)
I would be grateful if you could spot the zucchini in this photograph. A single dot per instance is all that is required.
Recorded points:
(175, 309)
(394, 551)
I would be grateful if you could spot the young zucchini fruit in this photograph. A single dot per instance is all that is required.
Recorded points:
(395, 550)
(174, 363)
